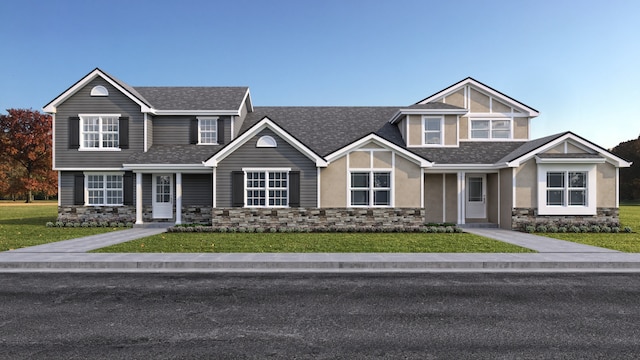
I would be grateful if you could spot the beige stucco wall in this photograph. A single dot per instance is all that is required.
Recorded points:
(492, 198)
(333, 184)
(479, 102)
(498, 107)
(360, 160)
(559, 149)
(464, 127)
(456, 98)
(574, 149)
(506, 197)
(606, 184)
(407, 183)
(433, 198)
(415, 130)
(451, 130)
(451, 194)
(521, 128)
(402, 126)
(382, 159)
(526, 184)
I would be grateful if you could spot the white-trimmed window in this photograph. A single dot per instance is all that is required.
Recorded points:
(490, 129)
(370, 188)
(432, 128)
(104, 189)
(100, 131)
(208, 130)
(566, 189)
(267, 188)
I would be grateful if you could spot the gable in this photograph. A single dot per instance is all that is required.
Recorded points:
(375, 142)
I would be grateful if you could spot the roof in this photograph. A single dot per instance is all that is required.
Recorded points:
(529, 146)
(174, 154)
(193, 97)
(469, 152)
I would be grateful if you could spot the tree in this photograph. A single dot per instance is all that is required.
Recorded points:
(629, 177)
(25, 153)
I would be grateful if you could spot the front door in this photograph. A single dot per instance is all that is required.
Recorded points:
(162, 196)
(476, 196)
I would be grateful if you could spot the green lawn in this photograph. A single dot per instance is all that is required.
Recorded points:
(627, 242)
(23, 225)
(314, 242)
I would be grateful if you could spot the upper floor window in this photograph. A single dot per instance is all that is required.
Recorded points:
(100, 131)
(99, 91)
(490, 129)
(432, 127)
(208, 130)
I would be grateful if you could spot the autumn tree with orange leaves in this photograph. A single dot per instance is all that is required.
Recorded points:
(25, 154)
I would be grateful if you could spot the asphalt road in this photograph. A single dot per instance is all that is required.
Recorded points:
(422, 316)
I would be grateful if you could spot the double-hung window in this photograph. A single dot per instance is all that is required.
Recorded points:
(491, 129)
(567, 188)
(104, 189)
(370, 188)
(100, 131)
(432, 130)
(267, 188)
(208, 130)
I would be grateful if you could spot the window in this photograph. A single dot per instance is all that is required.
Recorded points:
(99, 90)
(266, 188)
(208, 130)
(104, 189)
(432, 130)
(100, 131)
(567, 188)
(267, 142)
(371, 188)
(490, 129)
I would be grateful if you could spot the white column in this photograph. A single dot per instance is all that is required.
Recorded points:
(178, 198)
(139, 198)
(213, 182)
(461, 197)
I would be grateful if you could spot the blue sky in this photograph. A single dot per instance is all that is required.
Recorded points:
(577, 62)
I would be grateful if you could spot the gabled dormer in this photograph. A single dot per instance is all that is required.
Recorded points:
(466, 111)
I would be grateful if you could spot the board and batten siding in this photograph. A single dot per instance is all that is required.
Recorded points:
(283, 156)
(83, 103)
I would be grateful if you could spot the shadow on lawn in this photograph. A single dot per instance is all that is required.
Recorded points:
(37, 221)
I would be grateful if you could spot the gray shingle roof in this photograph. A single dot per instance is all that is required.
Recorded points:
(469, 152)
(175, 154)
(529, 146)
(193, 98)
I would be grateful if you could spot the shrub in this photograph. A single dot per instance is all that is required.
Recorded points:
(441, 229)
(595, 229)
(104, 224)
(129, 224)
(85, 224)
(448, 229)
(584, 228)
(530, 229)
(552, 229)
(50, 224)
(562, 229)
(458, 229)
(574, 229)
(615, 229)
(259, 230)
(627, 229)
(93, 224)
(541, 228)
(605, 229)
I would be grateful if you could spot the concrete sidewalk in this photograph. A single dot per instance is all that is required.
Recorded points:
(554, 255)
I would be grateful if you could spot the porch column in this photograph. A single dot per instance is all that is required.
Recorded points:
(461, 197)
(178, 198)
(139, 198)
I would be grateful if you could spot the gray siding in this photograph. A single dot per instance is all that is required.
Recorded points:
(149, 131)
(83, 103)
(197, 189)
(174, 130)
(284, 155)
(66, 187)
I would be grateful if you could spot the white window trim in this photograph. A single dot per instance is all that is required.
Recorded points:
(371, 187)
(266, 141)
(99, 90)
(589, 209)
(215, 121)
(424, 130)
(86, 188)
(266, 188)
(491, 120)
(100, 147)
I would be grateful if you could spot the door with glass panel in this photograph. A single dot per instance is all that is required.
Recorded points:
(162, 196)
(476, 196)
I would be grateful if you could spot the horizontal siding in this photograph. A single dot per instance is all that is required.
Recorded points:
(174, 130)
(66, 187)
(83, 103)
(284, 156)
(197, 189)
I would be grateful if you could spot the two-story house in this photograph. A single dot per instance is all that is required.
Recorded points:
(463, 155)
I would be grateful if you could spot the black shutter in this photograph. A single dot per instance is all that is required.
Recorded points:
(127, 184)
(237, 188)
(294, 189)
(220, 131)
(78, 189)
(123, 126)
(193, 132)
(74, 132)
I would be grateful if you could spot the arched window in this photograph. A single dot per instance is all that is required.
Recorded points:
(266, 141)
(99, 91)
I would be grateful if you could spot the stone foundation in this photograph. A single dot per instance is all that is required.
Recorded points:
(81, 214)
(314, 218)
(521, 217)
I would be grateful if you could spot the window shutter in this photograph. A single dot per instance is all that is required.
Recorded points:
(294, 189)
(78, 189)
(74, 132)
(193, 132)
(220, 131)
(123, 129)
(127, 184)
(237, 188)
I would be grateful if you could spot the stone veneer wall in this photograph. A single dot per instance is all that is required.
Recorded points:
(522, 217)
(314, 218)
(78, 213)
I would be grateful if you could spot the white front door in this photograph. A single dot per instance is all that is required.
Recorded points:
(476, 196)
(162, 196)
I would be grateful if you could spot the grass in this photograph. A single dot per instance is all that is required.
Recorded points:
(626, 242)
(314, 242)
(23, 225)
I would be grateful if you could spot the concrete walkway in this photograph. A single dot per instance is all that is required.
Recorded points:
(554, 255)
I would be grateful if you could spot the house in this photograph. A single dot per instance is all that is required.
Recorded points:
(463, 155)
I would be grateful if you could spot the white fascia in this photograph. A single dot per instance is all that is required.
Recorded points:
(89, 169)
(382, 142)
(398, 115)
(196, 112)
(153, 168)
(540, 160)
(438, 168)
(253, 131)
